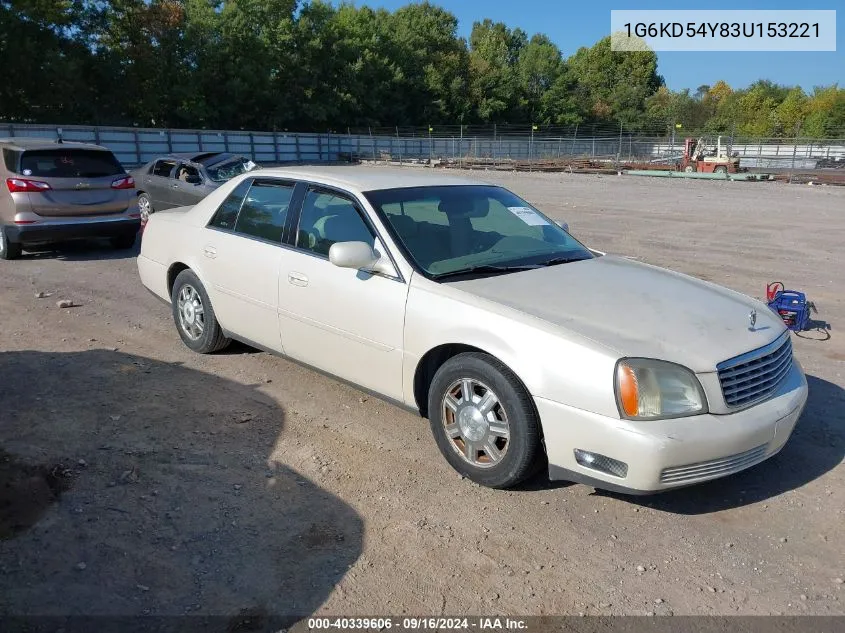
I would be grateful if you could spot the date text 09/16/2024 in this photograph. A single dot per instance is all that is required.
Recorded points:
(418, 623)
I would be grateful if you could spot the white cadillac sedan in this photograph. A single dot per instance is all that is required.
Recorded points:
(458, 299)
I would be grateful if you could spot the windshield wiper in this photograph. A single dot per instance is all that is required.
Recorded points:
(561, 260)
(483, 269)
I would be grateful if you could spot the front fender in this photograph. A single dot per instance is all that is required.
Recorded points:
(552, 363)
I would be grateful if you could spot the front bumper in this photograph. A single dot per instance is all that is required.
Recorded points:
(66, 230)
(666, 454)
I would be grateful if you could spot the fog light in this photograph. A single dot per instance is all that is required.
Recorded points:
(601, 463)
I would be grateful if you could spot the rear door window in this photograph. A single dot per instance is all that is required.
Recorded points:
(265, 210)
(69, 163)
(164, 168)
(227, 213)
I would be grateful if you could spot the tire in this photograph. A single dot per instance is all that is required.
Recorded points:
(8, 250)
(464, 433)
(145, 207)
(721, 169)
(122, 242)
(199, 330)
(689, 169)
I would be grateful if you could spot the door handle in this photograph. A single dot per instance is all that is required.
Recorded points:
(297, 279)
(210, 252)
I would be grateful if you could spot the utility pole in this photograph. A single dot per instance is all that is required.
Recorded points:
(493, 149)
(619, 153)
(461, 145)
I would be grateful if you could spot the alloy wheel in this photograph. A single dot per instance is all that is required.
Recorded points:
(191, 312)
(475, 423)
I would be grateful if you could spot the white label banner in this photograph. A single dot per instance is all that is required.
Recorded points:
(723, 30)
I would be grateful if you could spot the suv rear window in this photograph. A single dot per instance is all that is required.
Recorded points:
(70, 163)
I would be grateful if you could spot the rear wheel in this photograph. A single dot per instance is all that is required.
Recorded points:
(689, 169)
(194, 315)
(721, 169)
(145, 207)
(122, 242)
(8, 250)
(483, 421)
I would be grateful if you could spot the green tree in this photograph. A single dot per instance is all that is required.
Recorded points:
(825, 112)
(614, 85)
(432, 61)
(494, 56)
(538, 68)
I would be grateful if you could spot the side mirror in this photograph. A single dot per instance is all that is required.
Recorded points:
(359, 256)
(563, 225)
(193, 179)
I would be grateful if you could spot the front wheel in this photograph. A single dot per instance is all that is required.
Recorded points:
(194, 315)
(484, 421)
(721, 169)
(8, 250)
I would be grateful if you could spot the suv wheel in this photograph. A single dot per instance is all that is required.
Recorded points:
(8, 250)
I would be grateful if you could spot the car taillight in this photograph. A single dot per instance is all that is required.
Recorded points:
(22, 185)
(124, 183)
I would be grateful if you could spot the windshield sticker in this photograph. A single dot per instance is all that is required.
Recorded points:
(27, 172)
(249, 165)
(529, 216)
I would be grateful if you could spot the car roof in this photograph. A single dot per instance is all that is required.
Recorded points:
(364, 178)
(204, 158)
(34, 143)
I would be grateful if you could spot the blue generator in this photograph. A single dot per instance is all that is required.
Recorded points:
(790, 305)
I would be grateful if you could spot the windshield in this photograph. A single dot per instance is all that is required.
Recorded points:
(221, 172)
(448, 229)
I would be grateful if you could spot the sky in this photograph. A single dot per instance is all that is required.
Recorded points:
(574, 23)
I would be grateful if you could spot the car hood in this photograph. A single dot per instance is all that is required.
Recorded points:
(637, 310)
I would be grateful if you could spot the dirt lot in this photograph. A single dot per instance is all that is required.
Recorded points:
(140, 478)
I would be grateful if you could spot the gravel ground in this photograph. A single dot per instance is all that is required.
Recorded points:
(140, 478)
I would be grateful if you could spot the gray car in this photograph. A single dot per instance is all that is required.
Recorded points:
(178, 180)
(54, 191)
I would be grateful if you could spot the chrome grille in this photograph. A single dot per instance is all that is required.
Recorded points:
(751, 377)
(714, 467)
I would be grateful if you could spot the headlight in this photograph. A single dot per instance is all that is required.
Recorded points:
(649, 389)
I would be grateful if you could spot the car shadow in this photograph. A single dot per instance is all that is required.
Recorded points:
(133, 487)
(817, 446)
(82, 250)
(236, 348)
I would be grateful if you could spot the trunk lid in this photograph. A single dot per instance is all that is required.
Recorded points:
(80, 182)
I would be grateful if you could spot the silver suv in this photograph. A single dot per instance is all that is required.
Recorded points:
(54, 191)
